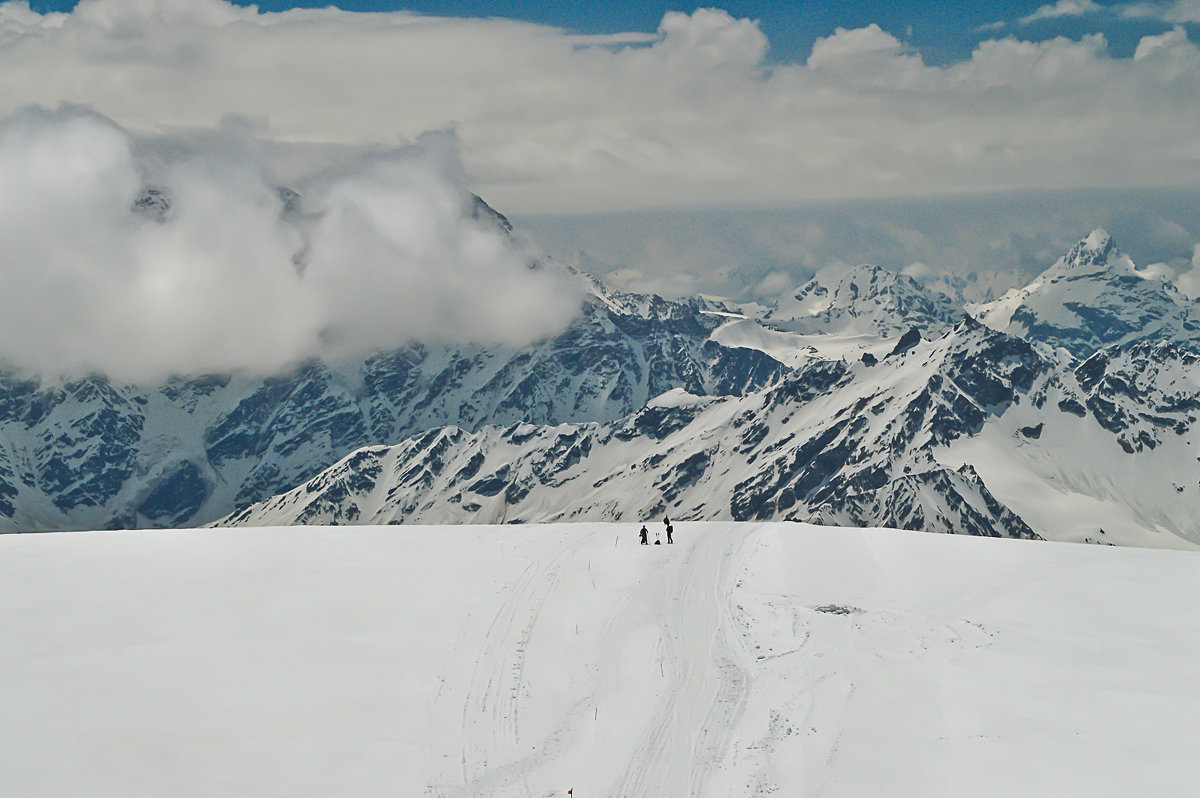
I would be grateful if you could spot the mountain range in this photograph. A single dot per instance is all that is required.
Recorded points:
(1065, 410)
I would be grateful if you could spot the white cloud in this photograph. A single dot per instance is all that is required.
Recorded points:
(849, 45)
(1063, 8)
(381, 255)
(1173, 11)
(219, 105)
(918, 271)
(773, 285)
(558, 122)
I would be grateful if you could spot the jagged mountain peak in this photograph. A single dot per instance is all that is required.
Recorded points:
(863, 299)
(1092, 297)
(1094, 249)
(600, 296)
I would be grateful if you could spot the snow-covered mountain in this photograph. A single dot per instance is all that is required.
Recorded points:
(91, 453)
(862, 300)
(903, 413)
(973, 430)
(930, 438)
(1094, 296)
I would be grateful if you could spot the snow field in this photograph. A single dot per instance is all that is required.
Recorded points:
(746, 660)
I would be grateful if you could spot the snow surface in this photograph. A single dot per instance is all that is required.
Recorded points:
(795, 349)
(747, 659)
(678, 397)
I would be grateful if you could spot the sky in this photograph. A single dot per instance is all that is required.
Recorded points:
(977, 138)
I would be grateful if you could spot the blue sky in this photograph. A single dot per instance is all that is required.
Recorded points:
(943, 31)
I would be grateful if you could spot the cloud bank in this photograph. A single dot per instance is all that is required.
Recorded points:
(216, 270)
(983, 244)
(551, 121)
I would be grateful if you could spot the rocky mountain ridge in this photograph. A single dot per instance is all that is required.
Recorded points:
(646, 405)
(92, 453)
(975, 430)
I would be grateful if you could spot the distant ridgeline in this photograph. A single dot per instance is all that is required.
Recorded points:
(1065, 409)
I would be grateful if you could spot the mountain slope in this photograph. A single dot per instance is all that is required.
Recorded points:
(1080, 427)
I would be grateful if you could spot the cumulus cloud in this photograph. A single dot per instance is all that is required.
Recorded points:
(190, 259)
(773, 285)
(551, 121)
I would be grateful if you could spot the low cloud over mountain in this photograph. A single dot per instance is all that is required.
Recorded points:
(185, 256)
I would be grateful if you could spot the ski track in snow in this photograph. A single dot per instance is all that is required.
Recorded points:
(690, 731)
(487, 731)
(477, 747)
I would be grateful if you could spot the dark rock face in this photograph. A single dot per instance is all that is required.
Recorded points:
(152, 203)
(906, 342)
(177, 496)
(1135, 392)
(905, 503)
(481, 211)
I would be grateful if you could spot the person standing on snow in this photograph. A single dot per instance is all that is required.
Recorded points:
(670, 529)
(644, 533)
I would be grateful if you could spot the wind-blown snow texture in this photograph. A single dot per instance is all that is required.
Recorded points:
(860, 399)
(745, 660)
